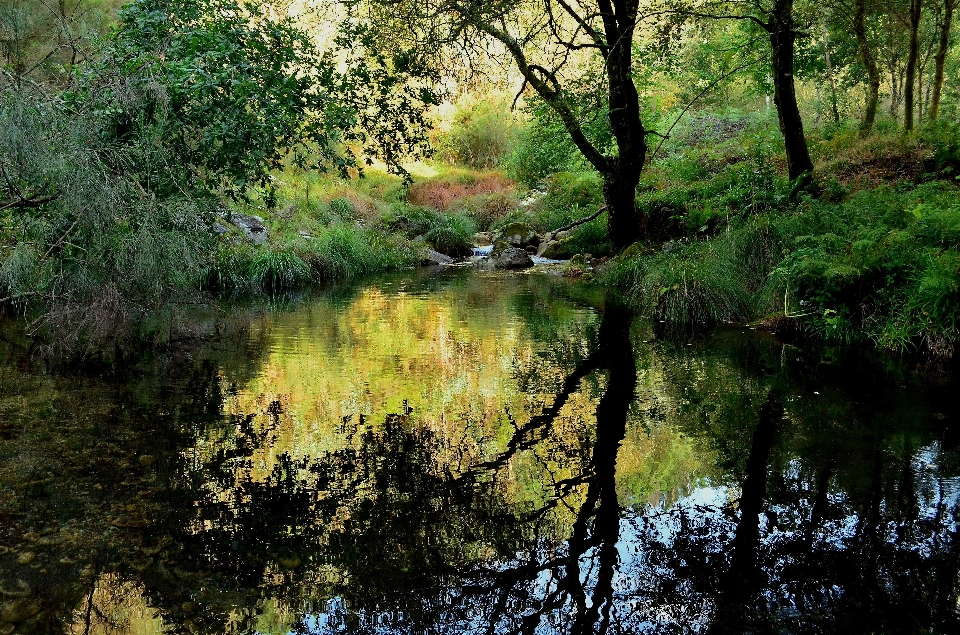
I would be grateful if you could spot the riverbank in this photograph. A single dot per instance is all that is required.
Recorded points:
(873, 259)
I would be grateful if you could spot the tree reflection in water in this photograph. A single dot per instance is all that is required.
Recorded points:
(377, 538)
(824, 513)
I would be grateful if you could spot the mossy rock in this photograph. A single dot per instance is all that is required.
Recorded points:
(518, 235)
(499, 247)
(635, 250)
(562, 249)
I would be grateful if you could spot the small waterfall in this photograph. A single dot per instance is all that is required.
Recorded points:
(480, 252)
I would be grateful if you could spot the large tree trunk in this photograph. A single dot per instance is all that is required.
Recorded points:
(940, 58)
(621, 178)
(782, 36)
(621, 173)
(913, 55)
(870, 64)
(619, 193)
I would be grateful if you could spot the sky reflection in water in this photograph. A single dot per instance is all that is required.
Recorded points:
(479, 454)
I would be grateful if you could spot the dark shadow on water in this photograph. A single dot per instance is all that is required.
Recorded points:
(828, 501)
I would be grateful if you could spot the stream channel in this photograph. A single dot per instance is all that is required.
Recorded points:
(479, 452)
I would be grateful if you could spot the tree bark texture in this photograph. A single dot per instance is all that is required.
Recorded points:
(940, 58)
(913, 55)
(620, 173)
(782, 37)
(833, 80)
(869, 62)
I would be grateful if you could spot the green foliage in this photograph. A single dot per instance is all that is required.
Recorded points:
(943, 138)
(110, 186)
(544, 146)
(482, 133)
(715, 168)
(89, 236)
(486, 210)
(883, 266)
(347, 251)
(229, 90)
(448, 233)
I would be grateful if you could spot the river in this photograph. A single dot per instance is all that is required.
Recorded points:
(478, 452)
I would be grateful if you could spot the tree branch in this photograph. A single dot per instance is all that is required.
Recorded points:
(29, 202)
(551, 93)
(715, 16)
(694, 100)
(577, 223)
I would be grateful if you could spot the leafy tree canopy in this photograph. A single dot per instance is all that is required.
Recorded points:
(230, 89)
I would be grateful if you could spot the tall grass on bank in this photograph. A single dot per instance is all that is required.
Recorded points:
(720, 280)
(339, 252)
(883, 267)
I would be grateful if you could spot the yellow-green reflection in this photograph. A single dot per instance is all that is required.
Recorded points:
(471, 362)
(389, 458)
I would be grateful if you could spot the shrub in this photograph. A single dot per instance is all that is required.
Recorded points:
(544, 147)
(452, 235)
(486, 209)
(448, 189)
(883, 266)
(481, 134)
(343, 208)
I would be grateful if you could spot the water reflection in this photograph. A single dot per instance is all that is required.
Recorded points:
(479, 455)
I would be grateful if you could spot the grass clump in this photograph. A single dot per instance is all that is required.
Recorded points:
(881, 267)
(278, 270)
(703, 281)
(346, 251)
(338, 252)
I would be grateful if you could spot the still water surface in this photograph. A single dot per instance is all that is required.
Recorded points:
(478, 453)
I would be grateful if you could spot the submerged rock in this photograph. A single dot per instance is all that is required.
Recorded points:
(512, 258)
(18, 610)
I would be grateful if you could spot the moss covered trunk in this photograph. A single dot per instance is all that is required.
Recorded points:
(869, 62)
(940, 58)
(913, 55)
